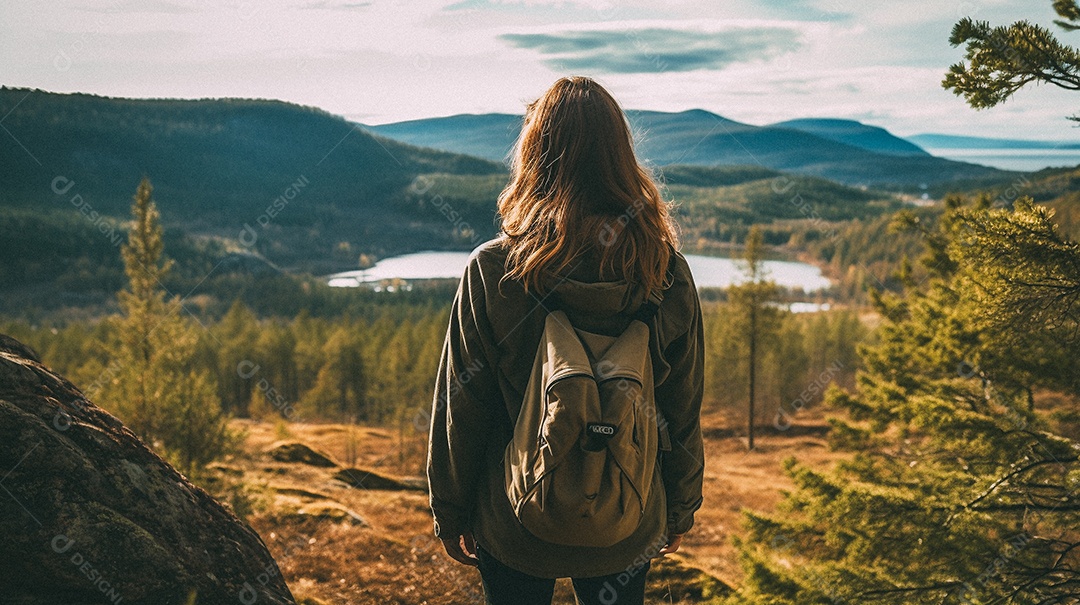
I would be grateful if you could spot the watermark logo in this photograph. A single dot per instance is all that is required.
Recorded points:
(782, 421)
(248, 235)
(609, 233)
(247, 370)
(422, 418)
(248, 595)
(62, 544)
(61, 185)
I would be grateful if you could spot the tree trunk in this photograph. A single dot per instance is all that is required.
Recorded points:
(753, 363)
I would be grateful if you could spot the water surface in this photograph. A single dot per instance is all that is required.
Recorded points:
(1025, 160)
(708, 271)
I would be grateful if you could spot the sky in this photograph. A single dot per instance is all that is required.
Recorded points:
(379, 61)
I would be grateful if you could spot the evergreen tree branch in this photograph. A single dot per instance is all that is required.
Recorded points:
(1058, 74)
(1069, 12)
(1001, 481)
(1002, 60)
(937, 587)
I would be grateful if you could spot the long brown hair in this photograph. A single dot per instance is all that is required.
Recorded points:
(576, 185)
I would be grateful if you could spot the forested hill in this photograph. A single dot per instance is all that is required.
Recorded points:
(844, 151)
(221, 165)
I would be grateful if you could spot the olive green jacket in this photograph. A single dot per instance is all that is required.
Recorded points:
(488, 354)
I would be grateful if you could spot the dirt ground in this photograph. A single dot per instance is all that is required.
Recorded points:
(341, 544)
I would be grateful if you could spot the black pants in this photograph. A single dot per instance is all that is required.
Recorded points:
(506, 586)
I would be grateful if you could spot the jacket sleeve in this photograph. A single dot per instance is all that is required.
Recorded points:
(679, 399)
(466, 395)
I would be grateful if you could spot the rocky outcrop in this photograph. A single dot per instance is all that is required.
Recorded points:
(299, 453)
(358, 478)
(89, 514)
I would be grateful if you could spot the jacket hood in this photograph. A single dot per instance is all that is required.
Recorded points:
(604, 298)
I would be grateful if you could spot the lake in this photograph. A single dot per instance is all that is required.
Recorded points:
(1026, 160)
(709, 271)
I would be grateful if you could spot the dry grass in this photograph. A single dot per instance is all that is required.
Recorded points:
(336, 544)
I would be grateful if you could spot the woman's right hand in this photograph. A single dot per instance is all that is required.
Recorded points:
(462, 549)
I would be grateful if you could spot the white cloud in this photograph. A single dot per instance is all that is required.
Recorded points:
(634, 48)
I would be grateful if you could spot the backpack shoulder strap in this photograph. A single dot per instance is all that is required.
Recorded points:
(648, 307)
(652, 301)
(644, 314)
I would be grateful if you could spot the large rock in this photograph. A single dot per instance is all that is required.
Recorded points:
(300, 453)
(359, 478)
(89, 514)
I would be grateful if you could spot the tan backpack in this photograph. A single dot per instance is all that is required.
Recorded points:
(581, 462)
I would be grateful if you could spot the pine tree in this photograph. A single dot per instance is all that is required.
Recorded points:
(788, 364)
(1002, 60)
(758, 320)
(340, 388)
(156, 390)
(310, 335)
(956, 491)
(238, 369)
(143, 307)
(276, 355)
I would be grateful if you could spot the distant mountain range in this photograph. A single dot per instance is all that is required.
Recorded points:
(246, 187)
(307, 190)
(856, 134)
(841, 150)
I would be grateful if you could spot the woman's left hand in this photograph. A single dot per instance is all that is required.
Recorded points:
(673, 545)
